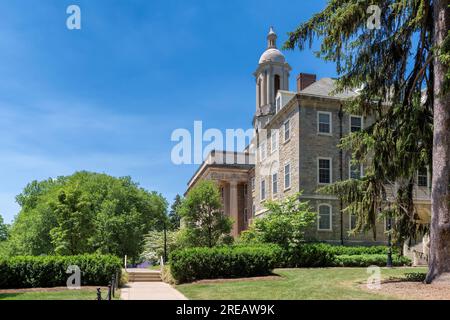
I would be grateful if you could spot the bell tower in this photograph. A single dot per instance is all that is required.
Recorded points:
(271, 75)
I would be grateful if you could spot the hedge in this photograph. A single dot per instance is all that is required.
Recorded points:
(365, 260)
(222, 262)
(307, 255)
(50, 271)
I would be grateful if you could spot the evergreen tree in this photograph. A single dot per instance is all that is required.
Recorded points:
(174, 214)
(397, 54)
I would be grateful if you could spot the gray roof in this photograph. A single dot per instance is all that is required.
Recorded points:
(324, 87)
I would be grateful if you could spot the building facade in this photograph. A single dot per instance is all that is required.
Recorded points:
(295, 149)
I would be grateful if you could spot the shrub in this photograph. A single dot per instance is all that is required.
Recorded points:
(306, 255)
(50, 271)
(365, 260)
(415, 276)
(222, 262)
(358, 250)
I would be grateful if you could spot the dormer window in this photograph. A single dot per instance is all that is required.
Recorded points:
(278, 103)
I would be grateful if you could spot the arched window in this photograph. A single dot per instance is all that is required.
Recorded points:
(276, 84)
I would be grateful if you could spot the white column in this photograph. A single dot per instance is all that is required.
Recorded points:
(234, 210)
(264, 89)
(270, 87)
(258, 87)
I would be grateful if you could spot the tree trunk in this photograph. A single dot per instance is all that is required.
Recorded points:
(439, 260)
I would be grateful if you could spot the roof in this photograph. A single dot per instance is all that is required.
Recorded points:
(324, 88)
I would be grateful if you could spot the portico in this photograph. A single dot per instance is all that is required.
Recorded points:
(232, 180)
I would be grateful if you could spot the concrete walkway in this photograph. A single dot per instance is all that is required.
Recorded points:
(150, 291)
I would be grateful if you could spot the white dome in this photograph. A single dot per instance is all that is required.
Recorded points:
(272, 55)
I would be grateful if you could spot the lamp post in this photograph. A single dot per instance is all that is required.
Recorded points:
(389, 227)
(165, 241)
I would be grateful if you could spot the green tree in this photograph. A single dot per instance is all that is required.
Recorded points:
(83, 213)
(205, 223)
(3, 230)
(174, 215)
(400, 65)
(284, 223)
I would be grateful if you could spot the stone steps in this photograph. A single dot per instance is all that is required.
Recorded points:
(144, 276)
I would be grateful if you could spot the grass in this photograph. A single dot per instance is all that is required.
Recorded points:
(82, 294)
(297, 284)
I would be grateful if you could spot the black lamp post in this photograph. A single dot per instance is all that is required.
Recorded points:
(165, 242)
(389, 226)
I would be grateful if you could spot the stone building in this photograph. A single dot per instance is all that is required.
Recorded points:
(296, 138)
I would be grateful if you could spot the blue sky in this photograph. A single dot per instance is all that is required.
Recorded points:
(106, 98)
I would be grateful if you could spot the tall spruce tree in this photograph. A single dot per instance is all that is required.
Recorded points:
(396, 53)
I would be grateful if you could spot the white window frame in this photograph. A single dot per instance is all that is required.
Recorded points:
(318, 216)
(350, 122)
(284, 176)
(361, 169)
(278, 103)
(274, 133)
(263, 150)
(428, 179)
(263, 181)
(274, 182)
(318, 170)
(288, 122)
(331, 123)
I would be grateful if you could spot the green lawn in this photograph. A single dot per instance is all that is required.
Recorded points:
(320, 283)
(82, 294)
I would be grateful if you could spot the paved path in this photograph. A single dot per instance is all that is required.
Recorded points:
(150, 291)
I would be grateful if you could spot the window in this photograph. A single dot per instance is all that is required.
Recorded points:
(278, 103)
(352, 222)
(324, 170)
(253, 183)
(274, 140)
(245, 189)
(245, 215)
(287, 176)
(356, 123)
(276, 84)
(263, 151)
(355, 170)
(253, 210)
(324, 122)
(422, 177)
(274, 183)
(263, 190)
(324, 222)
(287, 130)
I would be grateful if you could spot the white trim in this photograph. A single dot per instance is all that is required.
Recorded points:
(263, 147)
(331, 170)
(331, 216)
(350, 121)
(331, 123)
(272, 180)
(284, 130)
(284, 175)
(274, 133)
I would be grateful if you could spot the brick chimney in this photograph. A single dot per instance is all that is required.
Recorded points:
(304, 80)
